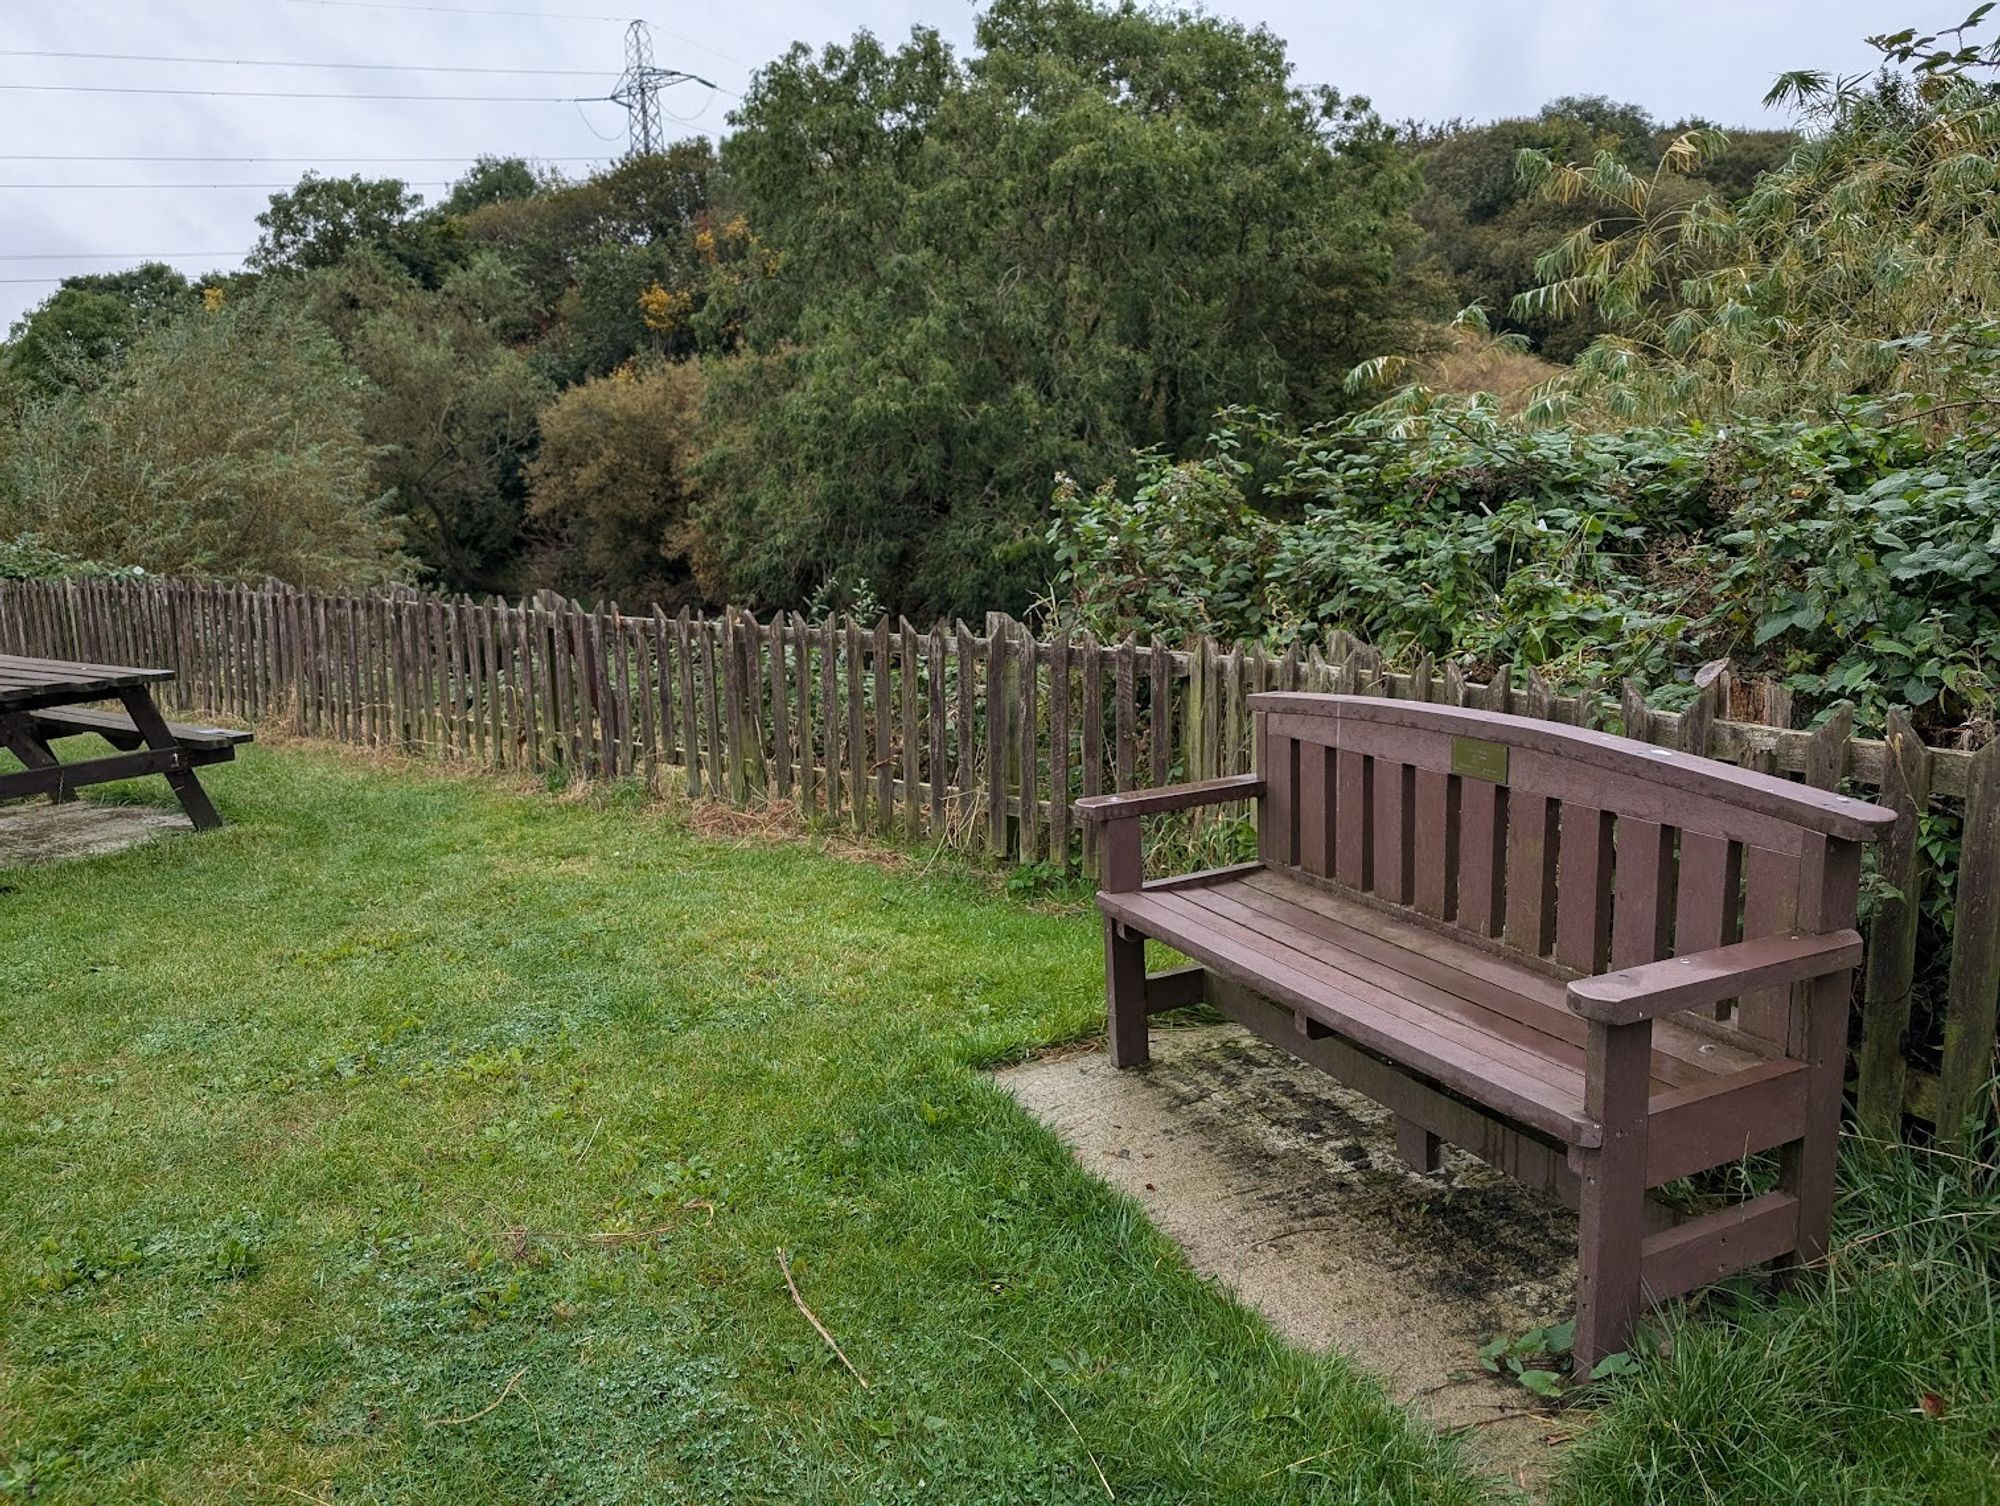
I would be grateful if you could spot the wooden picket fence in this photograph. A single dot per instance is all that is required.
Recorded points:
(982, 739)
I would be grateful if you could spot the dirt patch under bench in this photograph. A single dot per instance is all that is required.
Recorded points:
(45, 833)
(1287, 1187)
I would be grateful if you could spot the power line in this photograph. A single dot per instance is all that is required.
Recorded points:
(458, 10)
(110, 255)
(532, 15)
(26, 281)
(704, 47)
(322, 157)
(147, 57)
(194, 187)
(502, 99)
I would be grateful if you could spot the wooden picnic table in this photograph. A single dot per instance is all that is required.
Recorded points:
(43, 700)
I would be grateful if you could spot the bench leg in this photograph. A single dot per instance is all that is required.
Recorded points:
(1612, 1198)
(1807, 1168)
(33, 749)
(1125, 990)
(138, 702)
(1417, 1145)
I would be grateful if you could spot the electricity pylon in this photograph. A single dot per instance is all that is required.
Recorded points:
(639, 89)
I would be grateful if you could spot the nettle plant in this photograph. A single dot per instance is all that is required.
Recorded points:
(1541, 1360)
(1885, 594)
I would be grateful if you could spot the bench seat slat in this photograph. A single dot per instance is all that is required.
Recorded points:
(1464, 1060)
(74, 719)
(1696, 1051)
(1558, 1060)
(1555, 1032)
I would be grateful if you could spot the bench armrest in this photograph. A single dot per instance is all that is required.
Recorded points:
(1174, 797)
(1702, 980)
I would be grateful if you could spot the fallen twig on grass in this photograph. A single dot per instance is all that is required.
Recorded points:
(628, 1236)
(1338, 1448)
(1035, 1380)
(800, 1303)
(291, 1491)
(505, 1392)
(590, 1140)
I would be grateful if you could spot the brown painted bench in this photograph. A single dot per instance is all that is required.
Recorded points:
(1600, 965)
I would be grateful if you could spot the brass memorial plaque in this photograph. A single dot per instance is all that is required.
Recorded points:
(1475, 758)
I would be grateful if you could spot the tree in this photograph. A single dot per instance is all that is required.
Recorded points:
(449, 407)
(1485, 228)
(589, 250)
(1862, 268)
(1084, 240)
(612, 483)
(317, 223)
(86, 326)
(491, 180)
(227, 444)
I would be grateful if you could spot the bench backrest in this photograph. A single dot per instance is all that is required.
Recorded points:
(1578, 848)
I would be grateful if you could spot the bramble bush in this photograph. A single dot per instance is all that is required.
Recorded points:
(1854, 560)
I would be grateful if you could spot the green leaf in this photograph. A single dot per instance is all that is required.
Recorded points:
(1613, 1365)
(1542, 1382)
(1771, 627)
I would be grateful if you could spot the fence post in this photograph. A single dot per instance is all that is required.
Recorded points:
(1892, 936)
(781, 709)
(1974, 983)
(1059, 747)
(906, 684)
(1027, 756)
(857, 729)
(934, 649)
(996, 737)
(884, 761)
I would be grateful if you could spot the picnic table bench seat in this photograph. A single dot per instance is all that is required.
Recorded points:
(204, 744)
(1600, 965)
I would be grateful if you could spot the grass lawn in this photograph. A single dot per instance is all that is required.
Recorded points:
(416, 1140)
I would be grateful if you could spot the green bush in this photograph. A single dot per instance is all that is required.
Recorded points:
(226, 444)
(28, 557)
(1854, 560)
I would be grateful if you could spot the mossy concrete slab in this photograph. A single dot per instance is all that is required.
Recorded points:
(1286, 1187)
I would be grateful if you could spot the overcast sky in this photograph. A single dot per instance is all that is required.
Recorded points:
(1425, 58)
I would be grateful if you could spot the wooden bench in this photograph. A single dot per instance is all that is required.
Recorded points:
(1597, 964)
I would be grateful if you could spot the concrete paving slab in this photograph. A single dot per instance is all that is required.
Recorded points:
(38, 832)
(1287, 1187)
